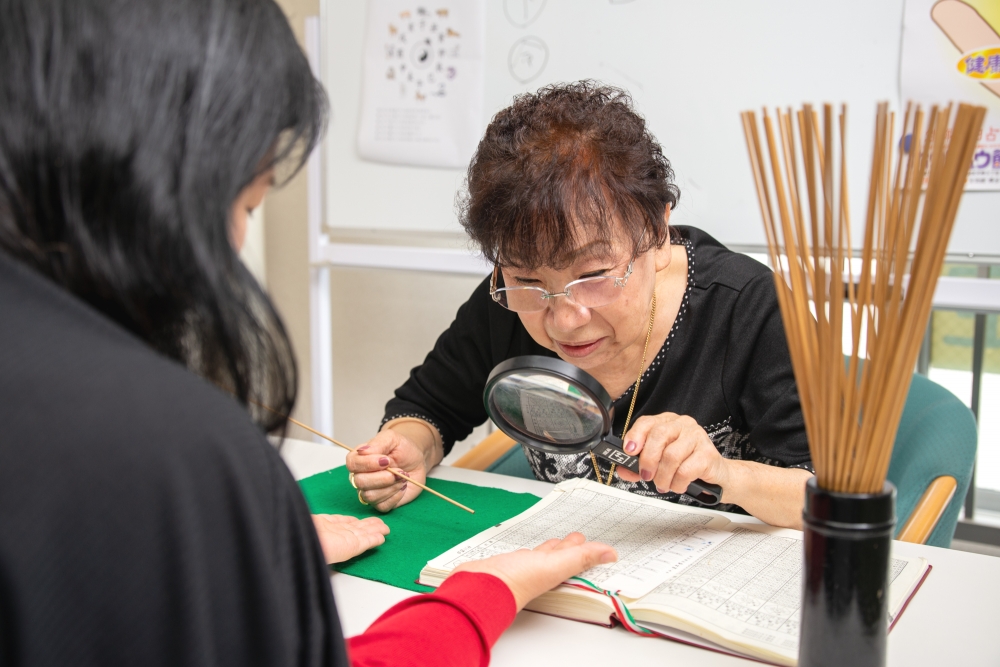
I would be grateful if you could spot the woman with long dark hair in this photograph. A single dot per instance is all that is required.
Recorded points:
(144, 517)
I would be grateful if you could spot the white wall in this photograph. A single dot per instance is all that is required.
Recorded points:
(384, 323)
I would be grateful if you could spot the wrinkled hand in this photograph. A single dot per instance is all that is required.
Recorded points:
(370, 462)
(528, 574)
(344, 537)
(673, 451)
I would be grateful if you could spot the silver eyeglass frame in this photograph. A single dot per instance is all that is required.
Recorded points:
(620, 282)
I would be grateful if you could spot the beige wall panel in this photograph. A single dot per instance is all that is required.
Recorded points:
(384, 324)
(287, 246)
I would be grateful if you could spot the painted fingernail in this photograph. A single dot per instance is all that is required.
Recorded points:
(361, 448)
(403, 488)
(383, 461)
(630, 447)
(646, 475)
(404, 474)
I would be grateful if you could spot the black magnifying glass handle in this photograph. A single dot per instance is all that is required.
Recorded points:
(704, 493)
(610, 450)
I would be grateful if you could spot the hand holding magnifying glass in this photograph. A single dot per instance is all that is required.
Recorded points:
(674, 452)
(553, 406)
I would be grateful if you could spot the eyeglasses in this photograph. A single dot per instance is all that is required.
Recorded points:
(591, 292)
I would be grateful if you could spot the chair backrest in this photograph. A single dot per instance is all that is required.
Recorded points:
(936, 436)
(513, 463)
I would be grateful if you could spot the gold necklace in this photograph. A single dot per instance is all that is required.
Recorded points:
(635, 393)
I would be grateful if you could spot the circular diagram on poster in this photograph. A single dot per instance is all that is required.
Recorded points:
(522, 13)
(422, 51)
(527, 58)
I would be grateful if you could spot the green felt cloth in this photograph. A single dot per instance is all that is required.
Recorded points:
(420, 531)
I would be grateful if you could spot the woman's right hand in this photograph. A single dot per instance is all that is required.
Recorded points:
(370, 464)
(529, 573)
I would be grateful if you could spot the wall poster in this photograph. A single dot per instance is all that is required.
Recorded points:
(951, 53)
(423, 82)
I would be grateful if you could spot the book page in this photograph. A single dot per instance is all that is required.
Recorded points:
(544, 414)
(748, 590)
(654, 539)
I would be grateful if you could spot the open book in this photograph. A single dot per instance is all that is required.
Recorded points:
(684, 573)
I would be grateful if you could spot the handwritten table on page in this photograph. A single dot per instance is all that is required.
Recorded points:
(651, 543)
(751, 585)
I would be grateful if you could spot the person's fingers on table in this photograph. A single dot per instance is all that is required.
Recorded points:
(534, 573)
(376, 524)
(571, 540)
(548, 545)
(343, 539)
(528, 574)
(556, 543)
(369, 540)
(575, 558)
(370, 534)
(372, 523)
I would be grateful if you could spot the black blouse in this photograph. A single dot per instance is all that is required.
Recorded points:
(724, 363)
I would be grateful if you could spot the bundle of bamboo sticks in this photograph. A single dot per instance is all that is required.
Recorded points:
(852, 407)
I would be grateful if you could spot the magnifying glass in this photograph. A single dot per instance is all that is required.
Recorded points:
(557, 408)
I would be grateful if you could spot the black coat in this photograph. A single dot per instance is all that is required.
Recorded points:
(144, 519)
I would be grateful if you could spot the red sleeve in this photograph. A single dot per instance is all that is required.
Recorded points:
(455, 625)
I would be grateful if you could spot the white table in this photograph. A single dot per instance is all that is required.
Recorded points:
(953, 620)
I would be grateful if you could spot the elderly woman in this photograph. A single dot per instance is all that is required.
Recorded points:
(570, 196)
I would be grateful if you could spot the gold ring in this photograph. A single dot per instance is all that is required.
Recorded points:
(350, 478)
(360, 499)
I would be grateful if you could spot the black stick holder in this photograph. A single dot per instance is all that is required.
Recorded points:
(846, 587)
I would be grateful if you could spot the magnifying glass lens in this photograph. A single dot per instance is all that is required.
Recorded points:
(547, 408)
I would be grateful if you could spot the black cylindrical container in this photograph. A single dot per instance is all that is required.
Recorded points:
(846, 588)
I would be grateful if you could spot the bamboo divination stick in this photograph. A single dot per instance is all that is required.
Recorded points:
(398, 473)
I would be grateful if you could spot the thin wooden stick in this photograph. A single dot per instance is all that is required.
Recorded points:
(398, 473)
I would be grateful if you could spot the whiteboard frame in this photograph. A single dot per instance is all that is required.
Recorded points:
(952, 293)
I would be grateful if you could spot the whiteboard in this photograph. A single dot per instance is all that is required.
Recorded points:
(691, 67)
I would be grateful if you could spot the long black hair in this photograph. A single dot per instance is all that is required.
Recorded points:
(127, 130)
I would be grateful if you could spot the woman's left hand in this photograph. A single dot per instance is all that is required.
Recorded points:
(673, 451)
(344, 537)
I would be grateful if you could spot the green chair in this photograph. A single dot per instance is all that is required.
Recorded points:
(931, 462)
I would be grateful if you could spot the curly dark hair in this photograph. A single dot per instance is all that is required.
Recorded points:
(567, 158)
